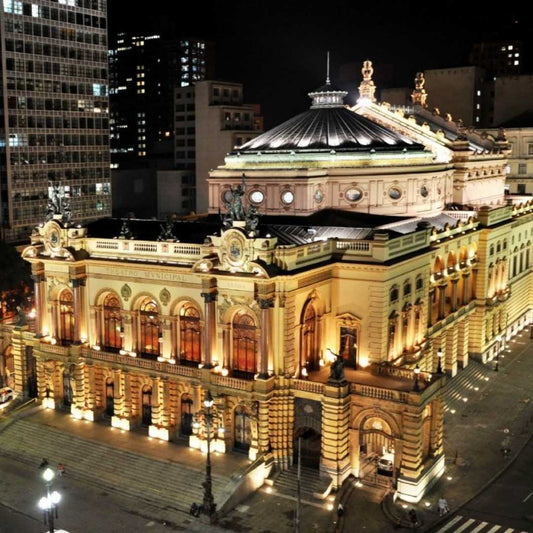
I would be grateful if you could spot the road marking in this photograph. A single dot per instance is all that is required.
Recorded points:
(468, 523)
(509, 530)
(450, 524)
(527, 497)
(480, 527)
(492, 530)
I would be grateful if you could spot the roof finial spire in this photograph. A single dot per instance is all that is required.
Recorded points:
(367, 87)
(327, 71)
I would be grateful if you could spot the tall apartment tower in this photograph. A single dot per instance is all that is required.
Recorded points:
(54, 111)
(210, 121)
(144, 71)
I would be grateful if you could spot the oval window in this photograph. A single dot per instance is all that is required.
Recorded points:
(227, 196)
(318, 196)
(395, 193)
(424, 191)
(353, 195)
(256, 197)
(287, 197)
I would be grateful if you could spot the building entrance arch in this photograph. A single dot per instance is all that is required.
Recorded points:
(310, 442)
(377, 449)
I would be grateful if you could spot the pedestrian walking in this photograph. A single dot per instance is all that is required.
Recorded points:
(443, 506)
(60, 469)
(413, 518)
(340, 510)
(44, 463)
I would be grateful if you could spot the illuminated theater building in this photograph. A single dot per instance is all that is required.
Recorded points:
(359, 251)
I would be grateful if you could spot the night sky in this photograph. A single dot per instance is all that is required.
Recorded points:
(278, 49)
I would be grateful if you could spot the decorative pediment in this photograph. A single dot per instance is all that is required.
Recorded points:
(348, 320)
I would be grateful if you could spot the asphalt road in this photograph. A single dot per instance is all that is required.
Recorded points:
(509, 500)
(83, 508)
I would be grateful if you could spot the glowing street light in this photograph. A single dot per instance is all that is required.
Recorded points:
(49, 502)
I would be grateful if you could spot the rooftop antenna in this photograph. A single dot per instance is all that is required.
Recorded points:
(327, 71)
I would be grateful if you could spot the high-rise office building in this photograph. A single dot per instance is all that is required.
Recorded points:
(55, 117)
(211, 119)
(144, 71)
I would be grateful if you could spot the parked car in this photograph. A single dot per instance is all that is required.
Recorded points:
(6, 394)
(386, 464)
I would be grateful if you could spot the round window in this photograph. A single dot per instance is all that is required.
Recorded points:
(287, 197)
(227, 196)
(318, 196)
(424, 191)
(256, 197)
(395, 193)
(353, 195)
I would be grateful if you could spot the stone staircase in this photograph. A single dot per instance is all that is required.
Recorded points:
(470, 381)
(161, 483)
(312, 487)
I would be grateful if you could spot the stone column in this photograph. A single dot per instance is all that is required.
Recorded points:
(38, 289)
(210, 328)
(335, 456)
(78, 392)
(466, 288)
(437, 428)
(442, 300)
(77, 284)
(430, 306)
(265, 304)
(454, 281)
(451, 351)
(18, 352)
(462, 343)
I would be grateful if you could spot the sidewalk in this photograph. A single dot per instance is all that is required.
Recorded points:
(495, 408)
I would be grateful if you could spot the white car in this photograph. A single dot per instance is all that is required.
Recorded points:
(6, 394)
(386, 464)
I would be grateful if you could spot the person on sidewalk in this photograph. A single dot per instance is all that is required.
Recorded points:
(340, 510)
(60, 469)
(44, 463)
(413, 518)
(443, 506)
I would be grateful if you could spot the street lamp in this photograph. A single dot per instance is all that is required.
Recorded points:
(209, 506)
(416, 386)
(49, 502)
(497, 365)
(439, 357)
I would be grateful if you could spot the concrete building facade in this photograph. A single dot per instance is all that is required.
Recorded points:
(332, 327)
(55, 108)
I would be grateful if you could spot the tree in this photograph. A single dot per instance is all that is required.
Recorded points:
(15, 277)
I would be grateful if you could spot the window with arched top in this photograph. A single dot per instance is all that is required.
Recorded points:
(113, 331)
(149, 328)
(244, 343)
(407, 288)
(309, 351)
(66, 316)
(189, 341)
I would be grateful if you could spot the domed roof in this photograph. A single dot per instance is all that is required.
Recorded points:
(328, 125)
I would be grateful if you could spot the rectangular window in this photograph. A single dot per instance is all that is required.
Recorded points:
(521, 188)
(530, 149)
(522, 168)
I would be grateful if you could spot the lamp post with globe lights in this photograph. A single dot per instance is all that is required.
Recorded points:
(209, 506)
(49, 502)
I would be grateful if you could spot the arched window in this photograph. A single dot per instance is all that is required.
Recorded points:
(309, 339)
(149, 328)
(112, 323)
(407, 288)
(186, 415)
(66, 317)
(244, 343)
(189, 334)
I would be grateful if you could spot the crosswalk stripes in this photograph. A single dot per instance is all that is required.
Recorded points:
(462, 524)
